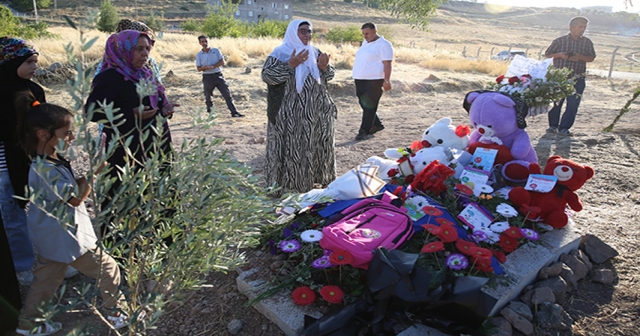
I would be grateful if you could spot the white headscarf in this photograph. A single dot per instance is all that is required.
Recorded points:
(291, 42)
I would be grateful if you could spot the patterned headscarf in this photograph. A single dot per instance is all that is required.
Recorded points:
(126, 24)
(12, 48)
(119, 53)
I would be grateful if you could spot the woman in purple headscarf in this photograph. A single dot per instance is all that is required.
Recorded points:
(125, 55)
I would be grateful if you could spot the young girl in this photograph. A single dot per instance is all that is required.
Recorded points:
(59, 225)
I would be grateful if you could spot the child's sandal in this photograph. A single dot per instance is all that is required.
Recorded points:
(119, 321)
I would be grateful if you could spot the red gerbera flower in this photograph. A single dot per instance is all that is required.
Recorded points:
(483, 264)
(499, 255)
(392, 172)
(463, 188)
(462, 130)
(465, 247)
(332, 294)
(448, 233)
(513, 232)
(433, 229)
(443, 221)
(303, 296)
(341, 257)
(507, 243)
(432, 211)
(499, 79)
(433, 247)
(479, 252)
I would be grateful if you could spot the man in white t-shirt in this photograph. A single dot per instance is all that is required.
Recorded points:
(372, 73)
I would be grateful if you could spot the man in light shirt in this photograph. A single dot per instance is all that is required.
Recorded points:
(372, 74)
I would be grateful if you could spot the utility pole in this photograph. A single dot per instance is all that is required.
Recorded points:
(35, 10)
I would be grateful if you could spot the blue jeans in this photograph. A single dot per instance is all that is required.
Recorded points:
(570, 113)
(15, 225)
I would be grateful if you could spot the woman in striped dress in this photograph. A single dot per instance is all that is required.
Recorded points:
(300, 132)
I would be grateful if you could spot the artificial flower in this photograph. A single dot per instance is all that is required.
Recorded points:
(465, 247)
(513, 80)
(432, 247)
(506, 210)
(500, 79)
(462, 130)
(332, 294)
(479, 252)
(409, 178)
(289, 246)
(463, 188)
(485, 197)
(322, 262)
(273, 249)
(513, 232)
(432, 177)
(507, 243)
(433, 229)
(311, 236)
(303, 296)
(485, 189)
(483, 264)
(443, 221)
(448, 233)
(457, 261)
(392, 172)
(341, 257)
(432, 211)
(499, 255)
(287, 232)
(529, 234)
(479, 236)
(499, 227)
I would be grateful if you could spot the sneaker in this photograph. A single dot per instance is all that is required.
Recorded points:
(118, 322)
(25, 278)
(236, 115)
(565, 132)
(552, 129)
(363, 136)
(47, 328)
(375, 129)
(71, 272)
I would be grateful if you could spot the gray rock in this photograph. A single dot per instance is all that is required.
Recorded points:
(502, 327)
(55, 66)
(521, 309)
(170, 74)
(603, 276)
(526, 298)
(550, 271)
(541, 295)
(553, 316)
(41, 72)
(433, 78)
(247, 70)
(583, 257)
(518, 322)
(234, 326)
(558, 287)
(597, 250)
(569, 277)
(579, 269)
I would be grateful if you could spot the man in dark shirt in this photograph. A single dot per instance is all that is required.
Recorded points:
(571, 51)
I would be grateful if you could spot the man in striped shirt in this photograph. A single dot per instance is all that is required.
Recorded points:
(571, 51)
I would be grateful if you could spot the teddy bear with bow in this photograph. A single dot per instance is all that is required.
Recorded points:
(441, 134)
(550, 207)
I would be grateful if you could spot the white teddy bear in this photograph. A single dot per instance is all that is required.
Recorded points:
(422, 158)
(443, 134)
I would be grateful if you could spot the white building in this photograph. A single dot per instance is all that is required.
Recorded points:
(256, 10)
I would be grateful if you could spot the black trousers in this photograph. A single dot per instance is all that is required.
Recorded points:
(10, 302)
(369, 93)
(217, 81)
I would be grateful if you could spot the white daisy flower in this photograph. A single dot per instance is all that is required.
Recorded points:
(506, 210)
(311, 236)
(499, 227)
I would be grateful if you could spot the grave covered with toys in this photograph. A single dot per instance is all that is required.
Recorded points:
(434, 229)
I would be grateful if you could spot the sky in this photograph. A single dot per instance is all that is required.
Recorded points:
(618, 5)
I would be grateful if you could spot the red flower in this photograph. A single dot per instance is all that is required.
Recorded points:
(484, 264)
(463, 188)
(303, 296)
(513, 80)
(513, 232)
(443, 221)
(432, 211)
(507, 243)
(462, 130)
(448, 233)
(433, 229)
(499, 255)
(465, 247)
(341, 257)
(409, 178)
(332, 294)
(392, 172)
(499, 79)
(432, 247)
(416, 146)
(432, 178)
(479, 252)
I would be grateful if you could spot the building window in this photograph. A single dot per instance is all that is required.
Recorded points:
(237, 13)
(286, 17)
(274, 5)
(286, 6)
(250, 13)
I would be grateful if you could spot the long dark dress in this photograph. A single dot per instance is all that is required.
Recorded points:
(300, 132)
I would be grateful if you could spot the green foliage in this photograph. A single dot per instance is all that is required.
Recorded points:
(155, 23)
(108, 20)
(624, 110)
(191, 25)
(27, 5)
(416, 12)
(372, 3)
(269, 28)
(11, 26)
(220, 20)
(348, 34)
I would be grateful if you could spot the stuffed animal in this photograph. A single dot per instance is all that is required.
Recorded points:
(550, 207)
(443, 134)
(422, 158)
(501, 117)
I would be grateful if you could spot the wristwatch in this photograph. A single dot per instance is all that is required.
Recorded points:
(387, 81)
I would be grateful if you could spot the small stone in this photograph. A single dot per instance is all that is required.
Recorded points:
(518, 322)
(234, 326)
(579, 269)
(541, 295)
(603, 276)
(597, 250)
(553, 316)
(521, 309)
(247, 70)
(526, 298)
(569, 277)
(265, 327)
(433, 78)
(550, 271)
(206, 311)
(558, 287)
(169, 74)
(502, 327)
(582, 257)
(195, 310)
(282, 257)
(55, 66)
(276, 265)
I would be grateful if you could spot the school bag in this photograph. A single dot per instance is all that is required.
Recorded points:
(367, 225)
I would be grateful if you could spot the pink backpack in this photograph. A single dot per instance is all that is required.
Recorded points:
(367, 225)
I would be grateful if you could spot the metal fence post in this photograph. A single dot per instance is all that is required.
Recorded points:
(613, 57)
(478, 56)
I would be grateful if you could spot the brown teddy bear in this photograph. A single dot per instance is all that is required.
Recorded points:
(550, 207)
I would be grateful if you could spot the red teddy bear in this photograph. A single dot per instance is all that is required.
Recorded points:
(550, 207)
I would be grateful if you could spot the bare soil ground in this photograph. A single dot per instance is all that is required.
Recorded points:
(611, 198)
